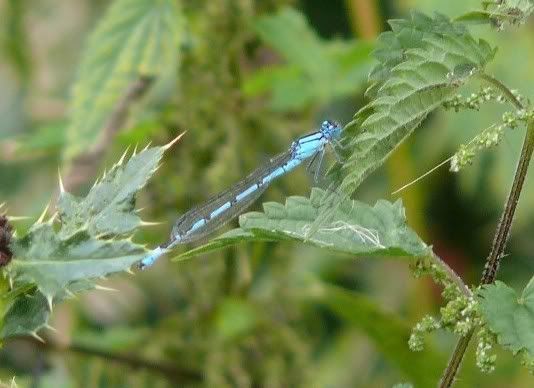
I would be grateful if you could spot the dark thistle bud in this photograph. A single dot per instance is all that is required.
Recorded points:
(5, 240)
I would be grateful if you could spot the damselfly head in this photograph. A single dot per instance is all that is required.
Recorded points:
(331, 129)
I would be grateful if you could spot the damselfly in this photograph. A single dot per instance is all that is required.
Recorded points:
(204, 219)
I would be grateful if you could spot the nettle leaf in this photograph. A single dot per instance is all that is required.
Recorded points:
(422, 62)
(358, 229)
(509, 317)
(315, 71)
(51, 262)
(109, 208)
(134, 38)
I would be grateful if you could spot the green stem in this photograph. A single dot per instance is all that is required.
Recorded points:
(502, 233)
(503, 88)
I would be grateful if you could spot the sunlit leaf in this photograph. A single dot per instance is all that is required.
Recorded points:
(316, 70)
(422, 62)
(44, 258)
(134, 38)
(109, 208)
(509, 317)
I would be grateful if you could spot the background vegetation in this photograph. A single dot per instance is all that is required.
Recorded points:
(244, 78)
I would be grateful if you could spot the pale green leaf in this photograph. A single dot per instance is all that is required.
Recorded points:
(235, 317)
(109, 208)
(134, 38)
(389, 333)
(422, 63)
(358, 229)
(52, 263)
(315, 71)
(509, 317)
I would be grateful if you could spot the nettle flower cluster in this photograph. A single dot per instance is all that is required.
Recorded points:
(460, 315)
(492, 135)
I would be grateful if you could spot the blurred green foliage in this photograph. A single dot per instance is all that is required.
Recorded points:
(252, 76)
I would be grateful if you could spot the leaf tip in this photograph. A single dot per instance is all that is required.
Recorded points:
(51, 328)
(121, 160)
(102, 288)
(147, 223)
(43, 214)
(61, 186)
(172, 142)
(37, 337)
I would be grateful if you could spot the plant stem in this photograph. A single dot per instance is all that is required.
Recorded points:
(84, 166)
(503, 88)
(172, 372)
(502, 233)
(462, 287)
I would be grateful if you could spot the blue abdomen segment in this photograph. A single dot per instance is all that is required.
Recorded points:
(202, 220)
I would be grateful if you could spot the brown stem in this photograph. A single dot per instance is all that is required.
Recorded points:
(453, 276)
(502, 233)
(456, 359)
(170, 371)
(85, 165)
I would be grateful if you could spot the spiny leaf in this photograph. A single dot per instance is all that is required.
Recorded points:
(358, 229)
(51, 262)
(109, 208)
(30, 311)
(509, 317)
(27, 315)
(134, 38)
(316, 70)
(422, 62)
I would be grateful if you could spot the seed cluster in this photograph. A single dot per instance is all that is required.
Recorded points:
(5, 240)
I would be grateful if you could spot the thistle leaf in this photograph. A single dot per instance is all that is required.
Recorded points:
(109, 208)
(358, 229)
(30, 311)
(509, 317)
(27, 315)
(52, 263)
(134, 38)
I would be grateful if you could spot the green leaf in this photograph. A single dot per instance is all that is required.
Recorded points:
(235, 317)
(509, 317)
(475, 17)
(389, 333)
(316, 70)
(52, 263)
(358, 229)
(109, 208)
(134, 38)
(30, 312)
(43, 139)
(26, 316)
(422, 62)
